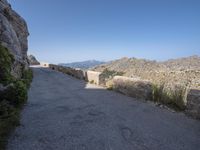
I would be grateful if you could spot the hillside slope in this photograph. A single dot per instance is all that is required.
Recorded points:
(184, 71)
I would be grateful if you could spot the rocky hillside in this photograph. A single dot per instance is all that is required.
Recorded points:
(134, 66)
(184, 71)
(129, 66)
(32, 60)
(189, 63)
(13, 35)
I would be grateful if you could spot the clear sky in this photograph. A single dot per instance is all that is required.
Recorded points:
(76, 30)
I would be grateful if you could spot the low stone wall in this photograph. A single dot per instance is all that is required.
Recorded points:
(90, 76)
(93, 77)
(193, 103)
(80, 74)
(133, 87)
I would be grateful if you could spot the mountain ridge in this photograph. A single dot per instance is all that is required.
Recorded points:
(82, 64)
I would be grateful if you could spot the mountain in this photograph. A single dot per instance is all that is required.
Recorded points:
(132, 66)
(83, 64)
(182, 71)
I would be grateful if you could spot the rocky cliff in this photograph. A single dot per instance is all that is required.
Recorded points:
(32, 60)
(15, 76)
(13, 35)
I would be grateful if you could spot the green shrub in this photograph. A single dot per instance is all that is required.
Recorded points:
(9, 118)
(92, 82)
(177, 98)
(109, 88)
(110, 73)
(157, 94)
(6, 60)
(27, 77)
(14, 95)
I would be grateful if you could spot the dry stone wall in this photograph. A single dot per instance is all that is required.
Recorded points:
(133, 87)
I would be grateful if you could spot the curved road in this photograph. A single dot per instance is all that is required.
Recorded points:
(64, 113)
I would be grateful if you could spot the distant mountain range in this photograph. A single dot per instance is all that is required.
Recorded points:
(83, 64)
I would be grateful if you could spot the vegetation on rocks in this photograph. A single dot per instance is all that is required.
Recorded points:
(13, 94)
(6, 59)
(111, 73)
(107, 76)
(171, 97)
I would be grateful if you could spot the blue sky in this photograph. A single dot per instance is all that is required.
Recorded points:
(76, 30)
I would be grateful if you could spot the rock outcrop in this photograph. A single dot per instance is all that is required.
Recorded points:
(32, 60)
(13, 35)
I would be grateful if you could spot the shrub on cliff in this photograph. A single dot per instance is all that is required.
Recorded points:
(6, 60)
(16, 93)
(27, 77)
(12, 96)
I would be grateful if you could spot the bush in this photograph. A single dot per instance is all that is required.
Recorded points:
(27, 77)
(6, 60)
(110, 73)
(9, 118)
(13, 96)
(172, 97)
(92, 82)
(16, 94)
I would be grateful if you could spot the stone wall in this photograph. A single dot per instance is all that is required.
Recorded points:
(89, 76)
(70, 71)
(193, 103)
(93, 77)
(133, 87)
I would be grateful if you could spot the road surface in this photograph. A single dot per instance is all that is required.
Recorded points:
(64, 113)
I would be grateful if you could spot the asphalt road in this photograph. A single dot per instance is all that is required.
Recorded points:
(64, 113)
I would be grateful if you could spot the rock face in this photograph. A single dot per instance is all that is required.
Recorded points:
(13, 35)
(32, 60)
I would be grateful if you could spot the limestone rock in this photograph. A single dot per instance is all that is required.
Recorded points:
(13, 35)
(32, 60)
